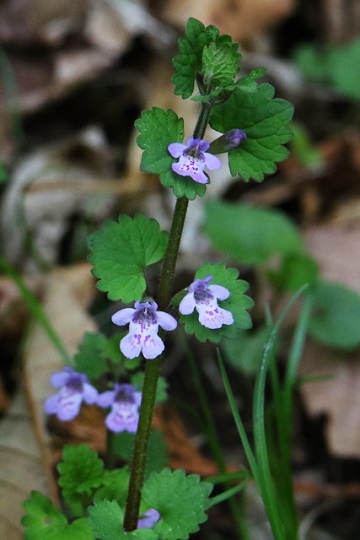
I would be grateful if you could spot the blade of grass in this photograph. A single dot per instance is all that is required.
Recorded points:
(35, 308)
(238, 422)
(265, 482)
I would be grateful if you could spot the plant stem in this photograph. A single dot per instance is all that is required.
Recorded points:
(152, 367)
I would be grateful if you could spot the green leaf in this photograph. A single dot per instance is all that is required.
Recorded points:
(335, 320)
(43, 521)
(122, 251)
(207, 57)
(158, 129)
(115, 486)
(295, 271)
(92, 358)
(123, 446)
(188, 62)
(249, 234)
(332, 65)
(237, 303)
(106, 519)
(220, 62)
(303, 149)
(81, 472)
(265, 121)
(181, 501)
(248, 83)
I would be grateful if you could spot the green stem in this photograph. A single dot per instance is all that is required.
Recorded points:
(152, 367)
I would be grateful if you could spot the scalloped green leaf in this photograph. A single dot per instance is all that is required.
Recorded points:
(265, 121)
(43, 521)
(206, 57)
(181, 501)
(220, 62)
(188, 61)
(238, 303)
(159, 128)
(81, 472)
(122, 251)
(106, 520)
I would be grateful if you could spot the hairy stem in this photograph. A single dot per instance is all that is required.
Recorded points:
(152, 367)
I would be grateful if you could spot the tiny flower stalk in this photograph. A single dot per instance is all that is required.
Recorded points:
(152, 367)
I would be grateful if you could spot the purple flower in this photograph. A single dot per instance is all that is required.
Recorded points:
(193, 158)
(74, 389)
(144, 322)
(148, 519)
(228, 141)
(203, 297)
(125, 403)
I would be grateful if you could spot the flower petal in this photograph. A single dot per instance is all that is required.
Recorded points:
(123, 316)
(131, 345)
(176, 149)
(51, 404)
(187, 304)
(191, 166)
(60, 378)
(212, 316)
(212, 162)
(220, 292)
(90, 394)
(153, 346)
(166, 321)
(69, 406)
(105, 399)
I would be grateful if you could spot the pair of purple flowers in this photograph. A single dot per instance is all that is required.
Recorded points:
(144, 319)
(74, 389)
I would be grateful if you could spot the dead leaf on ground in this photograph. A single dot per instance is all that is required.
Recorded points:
(337, 250)
(243, 19)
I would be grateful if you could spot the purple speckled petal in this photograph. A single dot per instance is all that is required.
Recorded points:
(212, 316)
(176, 149)
(123, 316)
(69, 406)
(153, 346)
(131, 345)
(220, 292)
(166, 321)
(190, 166)
(187, 304)
(123, 417)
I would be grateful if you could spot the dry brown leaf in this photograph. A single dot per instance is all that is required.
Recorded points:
(243, 19)
(337, 396)
(21, 468)
(337, 250)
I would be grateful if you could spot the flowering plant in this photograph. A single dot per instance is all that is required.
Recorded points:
(169, 505)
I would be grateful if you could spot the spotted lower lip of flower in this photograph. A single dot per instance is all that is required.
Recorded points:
(144, 321)
(193, 158)
(74, 389)
(124, 402)
(204, 298)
